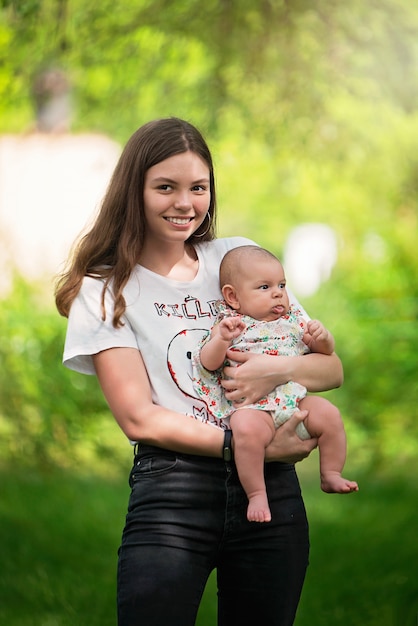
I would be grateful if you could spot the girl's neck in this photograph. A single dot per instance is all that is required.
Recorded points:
(175, 262)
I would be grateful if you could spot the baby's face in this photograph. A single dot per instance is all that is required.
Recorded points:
(261, 289)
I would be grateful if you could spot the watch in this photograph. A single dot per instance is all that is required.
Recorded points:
(227, 450)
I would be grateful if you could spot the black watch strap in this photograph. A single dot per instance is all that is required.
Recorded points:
(227, 451)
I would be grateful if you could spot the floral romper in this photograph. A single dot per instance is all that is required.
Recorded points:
(281, 337)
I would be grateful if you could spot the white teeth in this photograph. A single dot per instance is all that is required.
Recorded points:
(179, 220)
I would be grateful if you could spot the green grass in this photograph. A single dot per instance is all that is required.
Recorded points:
(364, 555)
(59, 538)
(60, 533)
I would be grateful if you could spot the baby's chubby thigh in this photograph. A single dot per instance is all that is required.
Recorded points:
(254, 425)
(322, 414)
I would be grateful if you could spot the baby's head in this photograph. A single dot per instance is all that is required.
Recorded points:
(253, 283)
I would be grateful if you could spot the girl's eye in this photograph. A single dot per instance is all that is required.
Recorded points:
(164, 187)
(199, 188)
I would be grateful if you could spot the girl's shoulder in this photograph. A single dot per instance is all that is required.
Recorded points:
(221, 246)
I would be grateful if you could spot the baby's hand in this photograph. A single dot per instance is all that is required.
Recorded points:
(230, 328)
(317, 337)
(317, 330)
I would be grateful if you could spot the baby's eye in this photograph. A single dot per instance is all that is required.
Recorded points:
(263, 287)
(282, 285)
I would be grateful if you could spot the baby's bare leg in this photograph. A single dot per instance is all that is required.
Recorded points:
(253, 430)
(324, 421)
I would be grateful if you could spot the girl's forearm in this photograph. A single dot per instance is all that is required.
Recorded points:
(174, 431)
(316, 372)
(125, 385)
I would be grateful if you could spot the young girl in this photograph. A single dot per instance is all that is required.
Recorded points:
(139, 295)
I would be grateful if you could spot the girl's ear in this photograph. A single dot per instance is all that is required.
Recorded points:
(230, 296)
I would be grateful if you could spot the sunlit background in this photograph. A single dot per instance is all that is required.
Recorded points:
(311, 111)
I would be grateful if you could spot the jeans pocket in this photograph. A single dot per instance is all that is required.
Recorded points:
(148, 466)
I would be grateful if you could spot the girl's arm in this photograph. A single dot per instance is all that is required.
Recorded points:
(124, 381)
(125, 384)
(259, 374)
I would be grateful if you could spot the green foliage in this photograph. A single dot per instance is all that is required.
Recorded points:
(48, 415)
(273, 65)
(312, 113)
(376, 337)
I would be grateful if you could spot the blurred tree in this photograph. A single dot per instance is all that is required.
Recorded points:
(48, 415)
(312, 113)
(273, 63)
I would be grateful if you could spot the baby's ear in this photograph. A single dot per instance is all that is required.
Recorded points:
(230, 296)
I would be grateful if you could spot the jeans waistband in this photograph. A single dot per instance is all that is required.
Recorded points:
(141, 449)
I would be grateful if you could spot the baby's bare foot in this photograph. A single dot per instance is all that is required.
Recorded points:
(333, 482)
(258, 509)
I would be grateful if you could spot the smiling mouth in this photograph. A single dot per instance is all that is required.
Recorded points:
(181, 221)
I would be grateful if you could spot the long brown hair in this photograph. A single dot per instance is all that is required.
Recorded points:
(112, 247)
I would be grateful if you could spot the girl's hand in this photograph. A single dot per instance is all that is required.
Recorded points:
(258, 374)
(286, 446)
(255, 376)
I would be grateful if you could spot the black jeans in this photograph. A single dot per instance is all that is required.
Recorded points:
(187, 516)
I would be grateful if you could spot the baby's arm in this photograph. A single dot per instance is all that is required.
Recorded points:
(212, 354)
(318, 338)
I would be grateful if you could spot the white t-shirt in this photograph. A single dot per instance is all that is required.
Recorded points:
(164, 319)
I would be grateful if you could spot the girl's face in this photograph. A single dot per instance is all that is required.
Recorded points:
(176, 197)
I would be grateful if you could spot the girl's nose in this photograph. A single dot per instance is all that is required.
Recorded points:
(183, 201)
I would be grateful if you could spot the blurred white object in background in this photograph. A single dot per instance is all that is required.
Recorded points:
(50, 187)
(310, 254)
(51, 182)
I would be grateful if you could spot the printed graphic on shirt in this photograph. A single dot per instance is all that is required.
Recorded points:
(191, 309)
(181, 347)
